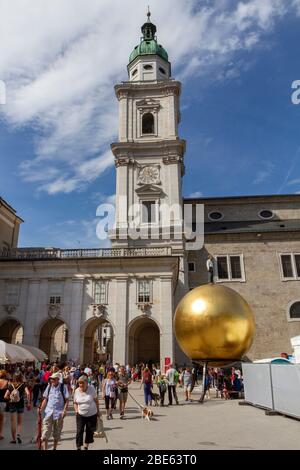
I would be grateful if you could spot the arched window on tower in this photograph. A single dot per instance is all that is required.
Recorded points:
(148, 123)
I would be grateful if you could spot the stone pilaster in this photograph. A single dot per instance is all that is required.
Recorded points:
(120, 338)
(74, 345)
(31, 327)
(166, 311)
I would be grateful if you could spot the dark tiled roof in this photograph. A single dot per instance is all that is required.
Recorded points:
(292, 225)
(244, 199)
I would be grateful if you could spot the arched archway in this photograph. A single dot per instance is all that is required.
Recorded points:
(54, 339)
(98, 339)
(11, 331)
(144, 341)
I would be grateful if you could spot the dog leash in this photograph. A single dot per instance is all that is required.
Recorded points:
(141, 406)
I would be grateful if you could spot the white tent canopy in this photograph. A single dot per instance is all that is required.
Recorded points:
(38, 353)
(12, 353)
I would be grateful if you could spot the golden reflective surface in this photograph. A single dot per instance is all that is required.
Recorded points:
(214, 322)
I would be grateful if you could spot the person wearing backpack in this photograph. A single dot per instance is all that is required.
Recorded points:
(55, 403)
(15, 396)
(162, 384)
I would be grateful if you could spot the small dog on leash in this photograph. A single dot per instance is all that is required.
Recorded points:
(147, 413)
(156, 398)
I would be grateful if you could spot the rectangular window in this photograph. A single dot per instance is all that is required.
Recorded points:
(287, 267)
(191, 267)
(290, 265)
(235, 265)
(100, 292)
(222, 267)
(12, 293)
(230, 268)
(144, 292)
(55, 300)
(297, 263)
(148, 212)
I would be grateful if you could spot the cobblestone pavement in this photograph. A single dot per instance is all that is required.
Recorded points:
(217, 424)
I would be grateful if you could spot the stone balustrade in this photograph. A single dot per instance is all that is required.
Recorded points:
(28, 254)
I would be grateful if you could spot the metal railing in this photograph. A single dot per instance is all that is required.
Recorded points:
(56, 253)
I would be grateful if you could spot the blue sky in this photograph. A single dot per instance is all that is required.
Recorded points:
(236, 60)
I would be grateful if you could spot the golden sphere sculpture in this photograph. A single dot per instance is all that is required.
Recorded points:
(214, 324)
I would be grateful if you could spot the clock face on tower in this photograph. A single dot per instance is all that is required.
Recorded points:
(148, 175)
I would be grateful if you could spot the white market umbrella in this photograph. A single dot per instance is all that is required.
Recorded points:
(38, 353)
(12, 353)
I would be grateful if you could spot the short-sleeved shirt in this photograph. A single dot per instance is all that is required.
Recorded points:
(110, 386)
(86, 401)
(55, 403)
(124, 379)
(171, 376)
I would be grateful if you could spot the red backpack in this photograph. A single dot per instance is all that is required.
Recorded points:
(46, 376)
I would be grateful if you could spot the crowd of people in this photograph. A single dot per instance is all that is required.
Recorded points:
(52, 387)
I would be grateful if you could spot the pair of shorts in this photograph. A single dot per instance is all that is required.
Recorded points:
(52, 426)
(187, 388)
(14, 408)
(123, 396)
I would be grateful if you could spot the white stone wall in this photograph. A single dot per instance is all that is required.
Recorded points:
(76, 310)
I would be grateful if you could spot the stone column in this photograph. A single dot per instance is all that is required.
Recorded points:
(74, 344)
(166, 311)
(32, 315)
(120, 316)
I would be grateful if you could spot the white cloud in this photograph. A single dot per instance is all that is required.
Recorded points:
(76, 234)
(61, 58)
(195, 194)
(264, 173)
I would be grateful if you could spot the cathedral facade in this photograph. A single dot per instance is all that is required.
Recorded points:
(131, 290)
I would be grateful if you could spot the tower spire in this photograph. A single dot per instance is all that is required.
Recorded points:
(148, 28)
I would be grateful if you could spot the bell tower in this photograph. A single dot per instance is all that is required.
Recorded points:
(149, 155)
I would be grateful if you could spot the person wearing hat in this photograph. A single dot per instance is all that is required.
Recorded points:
(86, 406)
(55, 403)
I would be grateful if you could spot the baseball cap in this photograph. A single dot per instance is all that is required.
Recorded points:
(56, 375)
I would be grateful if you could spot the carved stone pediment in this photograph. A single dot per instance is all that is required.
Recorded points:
(149, 190)
(148, 104)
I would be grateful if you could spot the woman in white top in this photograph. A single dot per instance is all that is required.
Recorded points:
(86, 407)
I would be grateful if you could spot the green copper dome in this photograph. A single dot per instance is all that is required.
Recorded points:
(148, 44)
(148, 47)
